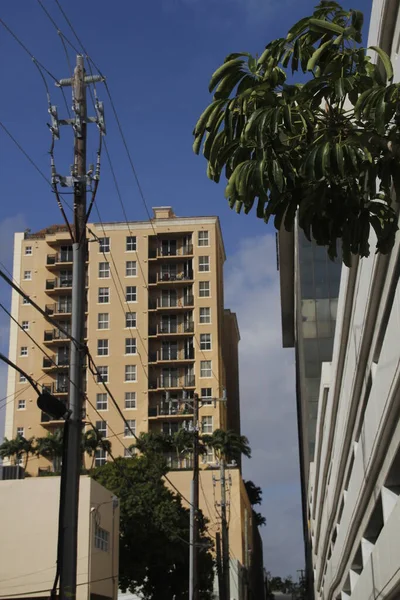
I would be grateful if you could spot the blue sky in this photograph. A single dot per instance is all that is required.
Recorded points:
(158, 57)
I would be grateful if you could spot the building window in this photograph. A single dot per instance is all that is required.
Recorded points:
(28, 250)
(205, 368)
(25, 325)
(101, 536)
(103, 321)
(101, 401)
(131, 293)
(205, 315)
(22, 378)
(203, 239)
(130, 346)
(25, 301)
(104, 270)
(101, 427)
(206, 395)
(204, 264)
(130, 268)
(131, 243)
(206, 424)
(21, 404)
(129, 453)
(130, 320)
(104, 244)
(102, 347)
(104, 295)
(20, 431)
(27, 275)
(130, 428)
(23, 351)
(205, 341)
(204, 289)
(102, 375)
(130, 372)
(100, 457)
(130, 400)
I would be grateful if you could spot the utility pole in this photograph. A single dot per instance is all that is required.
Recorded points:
(224, 527)
(77, 356)
(194, 508)
(221, 587)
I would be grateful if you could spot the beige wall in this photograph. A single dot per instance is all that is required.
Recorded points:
(29, 527)
(209, 500)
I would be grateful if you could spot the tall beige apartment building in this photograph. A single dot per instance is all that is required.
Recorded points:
(158, 332)
(156, 327)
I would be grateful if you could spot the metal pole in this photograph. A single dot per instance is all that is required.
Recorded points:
(194, 508)
(70, 541)
(224, 526)
(221, 586)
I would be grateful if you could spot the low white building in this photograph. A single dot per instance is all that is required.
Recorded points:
(28, 539)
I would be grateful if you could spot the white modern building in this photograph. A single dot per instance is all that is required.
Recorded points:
(354, 479)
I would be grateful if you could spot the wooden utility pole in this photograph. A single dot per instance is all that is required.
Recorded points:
(69, 544)
(225, 532)
(194, 508)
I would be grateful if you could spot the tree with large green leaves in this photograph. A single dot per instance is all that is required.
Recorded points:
(326, 149)
(254, 492)
(154, 535)
(92, 441)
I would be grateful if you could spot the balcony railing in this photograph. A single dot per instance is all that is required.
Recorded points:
(170, 277)
(175, 462)
(172, 408)
(161, 303)
(161, 252)
(56, 387)
(59, 283)
(55, 361)
(54, 334)
(61, 257)
(172, 381)
(174, 354)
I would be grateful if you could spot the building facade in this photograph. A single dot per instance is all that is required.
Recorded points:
(29, 531)
(156, 328)
(354, 483)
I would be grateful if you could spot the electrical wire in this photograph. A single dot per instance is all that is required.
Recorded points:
(29, 158)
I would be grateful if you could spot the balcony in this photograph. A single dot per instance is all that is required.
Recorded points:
(60, 259)
(171, 355)
(176, 408)
(170, 252)
(55, 362)
(56, 309)
(168, 278)
(58, 284)
(45, 419)
(171, 329)
(55, 336)
(171, 304)
(171, 382)
(56, 387)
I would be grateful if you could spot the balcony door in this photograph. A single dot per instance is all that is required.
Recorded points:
(66, 254)
(169, 377)
(169, 351)
(169, 324)
(169, 298)
(168, 247)
(168, 271)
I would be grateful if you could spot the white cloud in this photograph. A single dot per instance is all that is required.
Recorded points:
(268, 398)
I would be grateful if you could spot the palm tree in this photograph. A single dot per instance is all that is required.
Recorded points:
(153, 442)
(91, 442)
(51, 447)
(182, 441)
(228, 445)
(9, 449)
(16, 448)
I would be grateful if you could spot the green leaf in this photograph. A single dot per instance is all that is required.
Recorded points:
(320, 25)
(337, 159)
(277, 175)
(357, 19)
(223, 70)
(227, 84)
(317, 54)
(387, 63)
